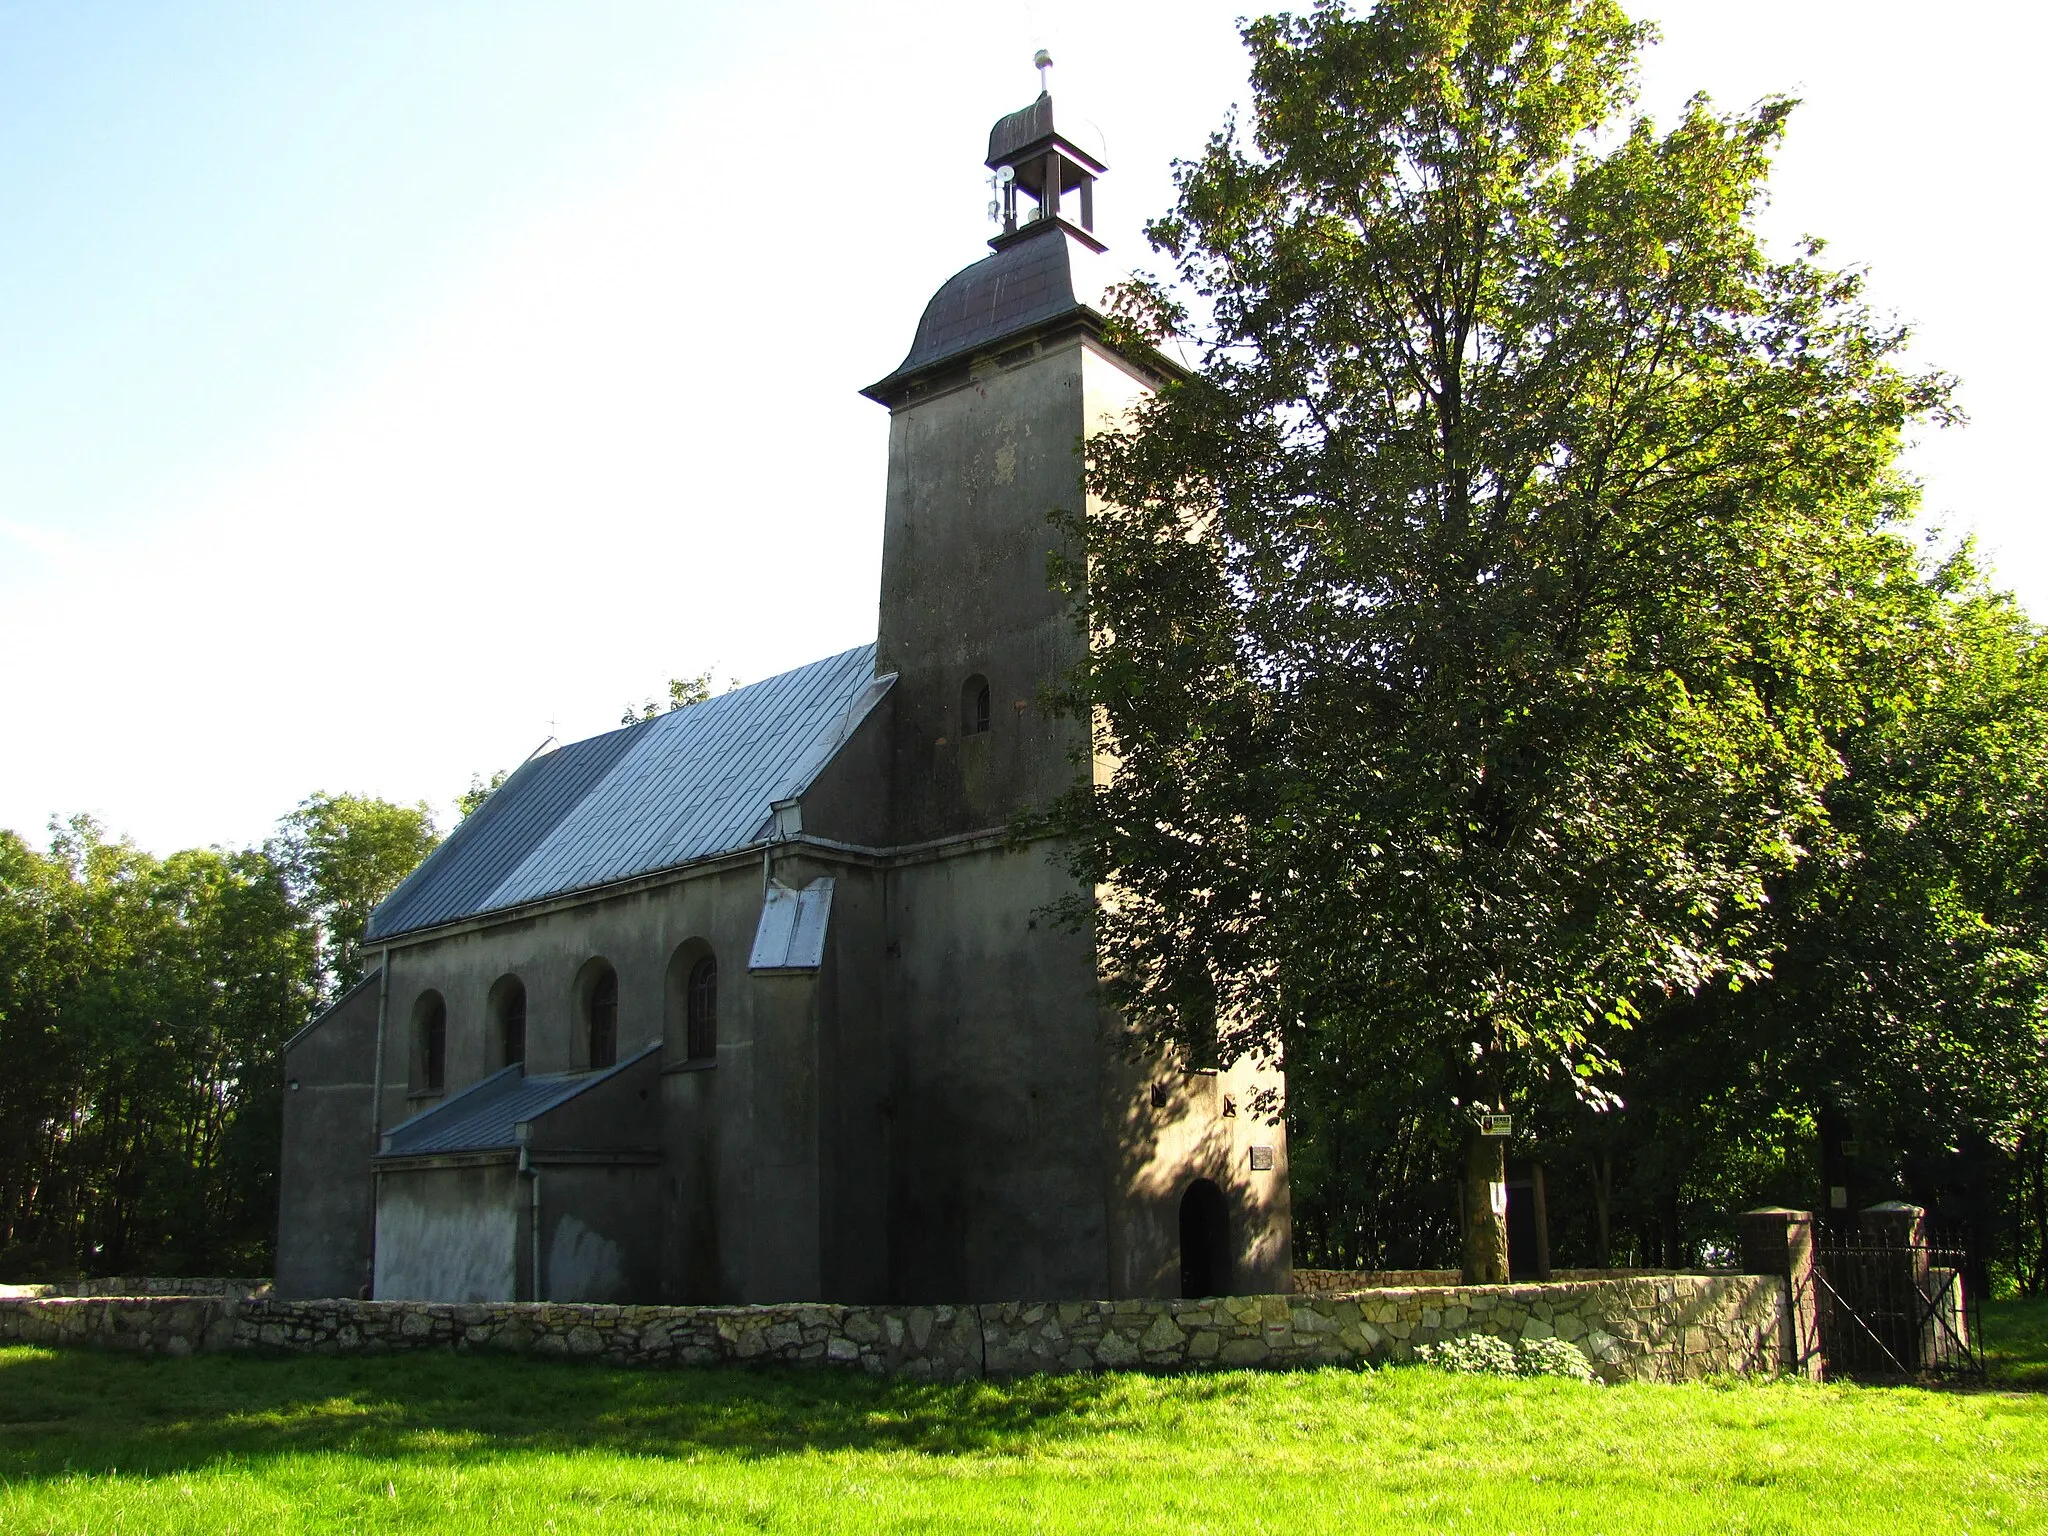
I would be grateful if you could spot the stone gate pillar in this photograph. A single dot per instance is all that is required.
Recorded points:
(1897, 1306)
(1777, 1241)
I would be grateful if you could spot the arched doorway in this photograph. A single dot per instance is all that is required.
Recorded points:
(1204, 1241)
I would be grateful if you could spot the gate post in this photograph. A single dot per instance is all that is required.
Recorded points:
(1895, 1224)
(1777, 1241)
(1900, 1229)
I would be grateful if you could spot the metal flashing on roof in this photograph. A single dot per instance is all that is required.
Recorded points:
(791, 934)
(686, 786)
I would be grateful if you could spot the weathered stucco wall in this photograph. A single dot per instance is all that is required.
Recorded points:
(323, 1183)
(596, 1241)
(638, 932)
(449, 1233)
(1663, 1328)
(974, 472)
(998, 1184)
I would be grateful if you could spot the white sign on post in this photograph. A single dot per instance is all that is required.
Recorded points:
(1496, 1125)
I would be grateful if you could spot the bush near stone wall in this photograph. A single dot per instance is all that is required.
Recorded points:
(1663, 1328)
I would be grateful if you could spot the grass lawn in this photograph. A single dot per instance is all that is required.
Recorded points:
(108, 1443)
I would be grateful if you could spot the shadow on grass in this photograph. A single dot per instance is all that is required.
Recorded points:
(85, 1411)
(2016, 1344)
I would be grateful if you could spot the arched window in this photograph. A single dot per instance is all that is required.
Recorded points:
(974, 706)
(702, 1009)
(508, 1008)
(689, 1029)
(430, 1027)
(603, 1013)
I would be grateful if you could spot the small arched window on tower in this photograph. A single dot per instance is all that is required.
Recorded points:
(974, 706)
(603, 1014)
(701, 1010)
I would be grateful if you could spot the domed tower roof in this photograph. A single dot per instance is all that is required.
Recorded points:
(1047, 264)
(1025, 285)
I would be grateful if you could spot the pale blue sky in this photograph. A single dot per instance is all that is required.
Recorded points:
(383, 386)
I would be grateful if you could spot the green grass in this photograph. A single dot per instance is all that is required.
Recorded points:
(2016, 1343)
(108, 1443)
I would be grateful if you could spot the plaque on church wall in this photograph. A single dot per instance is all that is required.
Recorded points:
(1262, 1159)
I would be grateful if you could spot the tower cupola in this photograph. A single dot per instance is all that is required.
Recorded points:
(1029, 155)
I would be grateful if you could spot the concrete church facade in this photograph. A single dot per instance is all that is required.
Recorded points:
(755, 1001)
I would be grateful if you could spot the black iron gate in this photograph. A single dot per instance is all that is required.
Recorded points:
(1895, 1309)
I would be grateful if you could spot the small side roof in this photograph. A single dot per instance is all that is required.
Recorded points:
(486, 1116)
(687, 785)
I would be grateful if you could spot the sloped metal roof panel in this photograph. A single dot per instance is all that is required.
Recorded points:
(486, 1116)
(457, 878)
(688, 785)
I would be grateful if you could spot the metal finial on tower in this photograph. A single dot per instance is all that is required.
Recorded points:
(1042, 61)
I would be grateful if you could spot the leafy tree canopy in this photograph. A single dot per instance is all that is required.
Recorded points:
(1473, 629)
(343, 854)
(682, 693)
(471, 800)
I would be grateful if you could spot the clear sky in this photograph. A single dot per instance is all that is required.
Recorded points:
(387, 386)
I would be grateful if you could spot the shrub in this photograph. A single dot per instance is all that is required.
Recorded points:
(1481, 1354)
(1553, 1357)
(1473, 1354)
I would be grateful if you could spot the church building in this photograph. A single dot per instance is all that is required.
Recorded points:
(756, 1001)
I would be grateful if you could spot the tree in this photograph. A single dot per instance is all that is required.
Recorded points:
(471, 800)
(1469, 628)
(1907, 1012)
(344, 854)
(142, 1006)
(682, 693)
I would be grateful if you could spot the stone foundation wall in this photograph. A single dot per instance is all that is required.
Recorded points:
(1327, 1282)
(155, 1325)
(1662, 1328)
(144, 1285)
(933, 1343)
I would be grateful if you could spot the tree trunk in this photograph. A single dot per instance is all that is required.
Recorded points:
(1603, 1187)
(1674, 1248)
(1486, 1209)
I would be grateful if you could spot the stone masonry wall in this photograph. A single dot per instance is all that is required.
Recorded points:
(1324, 1282)
(143, 1285)
(1662, 1328)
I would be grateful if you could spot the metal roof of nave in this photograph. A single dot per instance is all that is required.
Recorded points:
(688, 785)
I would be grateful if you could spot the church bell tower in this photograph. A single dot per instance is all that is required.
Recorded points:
(1028, 1155)
(1008, 376)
